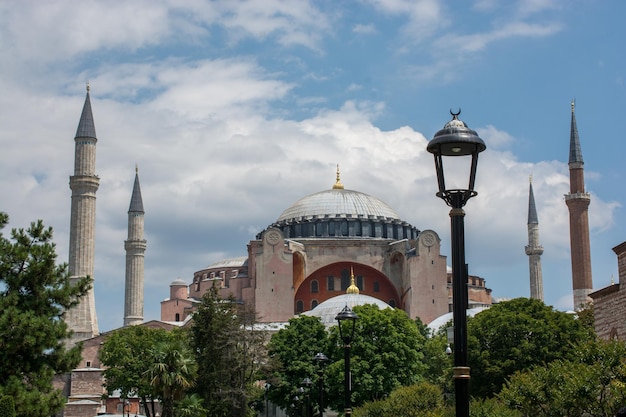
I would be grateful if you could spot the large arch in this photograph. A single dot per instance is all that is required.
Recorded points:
(333, 279)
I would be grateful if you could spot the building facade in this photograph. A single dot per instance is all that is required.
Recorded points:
(306, 256)
(609, 303)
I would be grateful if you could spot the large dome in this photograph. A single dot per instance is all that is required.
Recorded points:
(340, 203)
(341, 213)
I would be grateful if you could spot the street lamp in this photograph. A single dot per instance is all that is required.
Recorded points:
(306, 383)
(346, 332)
(454, 142)
(266, 390)
(321, 361)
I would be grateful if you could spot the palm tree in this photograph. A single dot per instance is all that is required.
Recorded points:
(172, 372)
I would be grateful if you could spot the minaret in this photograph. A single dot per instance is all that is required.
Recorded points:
(82, 319)
(578, 204)
(135, 247)
(534, 250)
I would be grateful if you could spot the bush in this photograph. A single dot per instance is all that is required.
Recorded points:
(420, 400)
(7, 407)
(491, 407)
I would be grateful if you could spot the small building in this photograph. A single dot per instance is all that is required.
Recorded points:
(609, 303)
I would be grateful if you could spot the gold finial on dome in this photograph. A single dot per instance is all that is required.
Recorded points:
(338, 185)
(352, 289)
(573, 104)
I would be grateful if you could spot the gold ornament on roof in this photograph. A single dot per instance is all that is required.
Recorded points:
(338, 185)
(352, 289)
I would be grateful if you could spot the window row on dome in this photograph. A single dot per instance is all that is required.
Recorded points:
(349, 228)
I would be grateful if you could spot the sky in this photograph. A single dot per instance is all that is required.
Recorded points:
(234, 110)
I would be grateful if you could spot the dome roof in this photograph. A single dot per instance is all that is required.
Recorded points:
(328, 310)
(338, 202)
(341, 213)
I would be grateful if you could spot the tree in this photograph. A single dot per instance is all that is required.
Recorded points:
(126, 354)
(515, 336)
(593, 384)
(172, 372)
(34, 293)
(387, 352)
(229, 350)
(292, 350)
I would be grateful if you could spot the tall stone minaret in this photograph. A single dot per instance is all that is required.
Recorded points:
(82, 319)
(534, 250)
(135, 247)
(578, 204)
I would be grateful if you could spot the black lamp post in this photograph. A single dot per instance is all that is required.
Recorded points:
(267, 388)
(454, 142)
(306, 383)
(346, 332)
(321, 361)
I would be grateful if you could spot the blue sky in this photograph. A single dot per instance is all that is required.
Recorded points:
(233, 110)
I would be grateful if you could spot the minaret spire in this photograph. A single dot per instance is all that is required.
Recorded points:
(534, 250)
(135, 248)
(577, 201)
(82, 319)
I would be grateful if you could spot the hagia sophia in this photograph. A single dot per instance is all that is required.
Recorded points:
(318, 247)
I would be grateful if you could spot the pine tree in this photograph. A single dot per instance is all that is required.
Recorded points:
(34, 293)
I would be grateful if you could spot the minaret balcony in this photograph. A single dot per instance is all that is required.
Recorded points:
(577, 196)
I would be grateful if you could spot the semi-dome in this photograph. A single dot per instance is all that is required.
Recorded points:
(328, 310)
(342, 213)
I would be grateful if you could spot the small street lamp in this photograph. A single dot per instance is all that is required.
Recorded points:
(454, 142)
(320, 359)
(347, 322)
(266, 389)
(306, 383)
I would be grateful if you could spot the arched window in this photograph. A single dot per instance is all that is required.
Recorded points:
(376, 286)
(177, 317)
(299, 306)
(314, 286)
(345, 279)
(313, 304)
(392, 303)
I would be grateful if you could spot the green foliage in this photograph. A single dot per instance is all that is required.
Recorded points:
(34, 293)
(438, 364)
(593, 384)
(172, 371)
(419, 400)
(229, 351)
(292, 350)
(515, 336)
(191, 406)
(386, 353)
(7, 407)
(491, 407)
(132, 356)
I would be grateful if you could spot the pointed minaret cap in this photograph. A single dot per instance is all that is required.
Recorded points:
(136, 202)
(575, 153)
(86, 127)
(532, 210)
(352, 289)
(338, 185)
